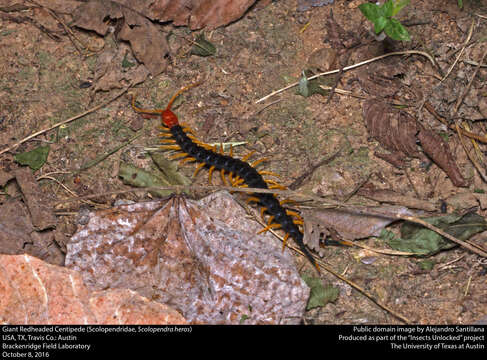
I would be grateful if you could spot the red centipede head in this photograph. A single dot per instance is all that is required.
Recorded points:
(169, 119)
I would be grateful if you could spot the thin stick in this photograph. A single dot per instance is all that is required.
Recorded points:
(408, 52)
(65, 121)
(470, 32)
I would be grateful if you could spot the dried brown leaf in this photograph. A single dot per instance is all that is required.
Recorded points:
(148, 43)
(438, 150)
(206, 262)
(350, 224)
(18, 235)
(197, 14)
(110, 74)
(395, 130)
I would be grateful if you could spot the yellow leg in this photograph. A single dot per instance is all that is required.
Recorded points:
(177, 156)
(238, 181)
(287, 201)
(210, 173)
(284, 242)
(186, 160)
(265, 172)
(170, 147)
(257, 162)
(200, 166)
(222, 173)
(298, 222)
(269, 227)
(252, 199)
(294, 213)
(279, 186)
(246, 157)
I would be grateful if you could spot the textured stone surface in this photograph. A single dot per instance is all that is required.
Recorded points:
(202, 258)
(35, 292)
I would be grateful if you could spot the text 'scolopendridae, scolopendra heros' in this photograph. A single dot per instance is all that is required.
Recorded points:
(179, 137)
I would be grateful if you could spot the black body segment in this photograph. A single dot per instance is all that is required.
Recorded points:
(251, 178)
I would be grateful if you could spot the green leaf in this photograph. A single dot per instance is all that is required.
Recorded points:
(380, 24)
(34, 158)
(310, 87)
(396, 31)
(303, 86)
(371, 11)
(320, 295)
(203, 47)
(425, 242)
(398, 5)
(387, 8)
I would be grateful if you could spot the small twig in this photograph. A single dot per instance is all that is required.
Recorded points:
(470, 32)
(297, 183)
(65, 121)
(431, 109)
(107, 154)
(408, 52)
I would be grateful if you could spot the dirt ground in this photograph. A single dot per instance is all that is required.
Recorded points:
(44, 81)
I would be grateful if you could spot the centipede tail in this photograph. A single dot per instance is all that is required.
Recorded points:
(240, 173)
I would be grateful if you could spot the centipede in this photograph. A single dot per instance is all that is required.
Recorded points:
(236, 172)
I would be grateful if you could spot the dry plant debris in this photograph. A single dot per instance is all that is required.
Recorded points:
(399, 132)
(352, 223)
(34, 292)
(205, 261)
(28, 226)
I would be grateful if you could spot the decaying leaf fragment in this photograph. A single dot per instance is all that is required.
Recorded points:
(399, 132)
(206, 262)
(148, 43)
(350, 224)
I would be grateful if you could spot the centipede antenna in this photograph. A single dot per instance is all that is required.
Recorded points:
(180, 91)
(145, 111)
